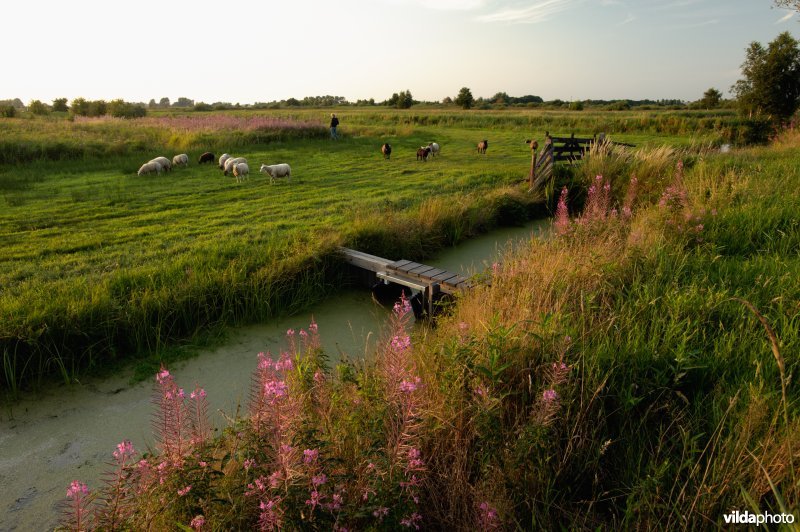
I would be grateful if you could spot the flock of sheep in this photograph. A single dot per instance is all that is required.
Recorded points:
(431, 150)
(237, 166)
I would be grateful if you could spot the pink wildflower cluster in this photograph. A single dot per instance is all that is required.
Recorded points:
(598, 202)
(77, 514)
(675, 204)
(488, 518)
(562, 221)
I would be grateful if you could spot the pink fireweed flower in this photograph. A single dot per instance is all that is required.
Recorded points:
(290, 332)
(412, 521)
(410, 386)
(310, 455)
(336, 502)
(488, 516)
(250, 462)
(198, 522)
(562, 221)
(381, 512)
(315, 499)
(124, 450)
(402, 307)
(162, 376)
(184, 491)
(76, 490)
(198, 393)
(319, 480)
(401, 342)
(275, 388)
(549, 396)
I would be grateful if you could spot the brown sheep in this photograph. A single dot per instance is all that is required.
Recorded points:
(422, 153)
(386, 150)
(482, 146)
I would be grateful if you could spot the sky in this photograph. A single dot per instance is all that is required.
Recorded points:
(247, 52)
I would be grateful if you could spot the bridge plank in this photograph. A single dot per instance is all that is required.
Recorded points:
(405, 268)
(421, 270)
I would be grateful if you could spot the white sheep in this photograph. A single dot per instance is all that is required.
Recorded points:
(277, 170)
(434, 148)
(230, 162)
(164, 162)
(149, 168)
(222, 158)
(180, 160)
(241, 171)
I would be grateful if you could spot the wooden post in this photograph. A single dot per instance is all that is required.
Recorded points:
(532, 176)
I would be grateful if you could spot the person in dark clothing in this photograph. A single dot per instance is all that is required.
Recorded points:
(334, 124)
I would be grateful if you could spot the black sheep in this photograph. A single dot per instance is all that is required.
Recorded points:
(207, 157)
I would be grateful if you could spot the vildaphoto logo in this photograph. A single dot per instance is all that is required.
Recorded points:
(746, 518)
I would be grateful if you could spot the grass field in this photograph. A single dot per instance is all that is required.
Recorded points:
(99, 264)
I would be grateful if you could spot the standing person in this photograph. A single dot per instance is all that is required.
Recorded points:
(334, 124)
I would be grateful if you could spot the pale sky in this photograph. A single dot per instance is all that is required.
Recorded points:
(245, 51)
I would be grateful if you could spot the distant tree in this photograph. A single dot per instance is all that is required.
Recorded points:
(80, 107)
(501, 97)
(577, 105)
(711, 99)
(8, 111)
(38, 108)
(447, 100)
(791, 4)
(771, 84)
(123, 109)
(528, 98)
(60, 105)
(202, 106)
(405, 100)
(465, 98)
(163, 102)
(152, 104)
(98, 108)
(183, 102)
(15, 103)
(293, 102)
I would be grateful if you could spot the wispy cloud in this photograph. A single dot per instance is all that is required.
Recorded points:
(630, 18)
(786, 17)
(442, 5)
(693, 25)
(538, 12)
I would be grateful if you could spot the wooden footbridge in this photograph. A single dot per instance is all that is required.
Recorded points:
(431, 282)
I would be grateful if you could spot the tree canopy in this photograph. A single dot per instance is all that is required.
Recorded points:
(771, 84)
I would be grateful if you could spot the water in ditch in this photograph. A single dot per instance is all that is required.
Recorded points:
(69, 433)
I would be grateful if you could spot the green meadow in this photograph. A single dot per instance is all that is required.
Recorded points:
(100, 265)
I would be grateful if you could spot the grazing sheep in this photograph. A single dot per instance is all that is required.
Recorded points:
(206, 157)
(149, 168)
(482, 146)
(180, 160)
(434, 149)
(423, 153)
(222, 158)
(230, 162)
(164, 162)
(275, 171)
(386, 150)
(241, 171)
